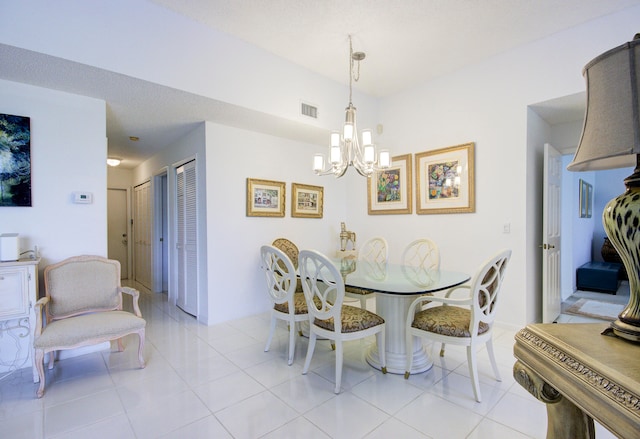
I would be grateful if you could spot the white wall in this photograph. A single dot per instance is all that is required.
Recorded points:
(68, 153)
(236, 285)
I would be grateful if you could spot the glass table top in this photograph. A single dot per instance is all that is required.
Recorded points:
(396, 278)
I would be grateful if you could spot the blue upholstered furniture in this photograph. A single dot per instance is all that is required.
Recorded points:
(599, 276)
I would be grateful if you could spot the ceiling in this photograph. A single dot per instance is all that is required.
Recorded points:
(406, 42)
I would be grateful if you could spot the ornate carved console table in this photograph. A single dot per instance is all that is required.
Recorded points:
(581, 375)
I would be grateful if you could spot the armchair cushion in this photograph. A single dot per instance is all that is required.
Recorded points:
(452, 321)
(88, 329)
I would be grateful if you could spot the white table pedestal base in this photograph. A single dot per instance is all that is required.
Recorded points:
(393, 309)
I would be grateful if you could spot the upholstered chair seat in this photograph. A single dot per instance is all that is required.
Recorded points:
(452, 321)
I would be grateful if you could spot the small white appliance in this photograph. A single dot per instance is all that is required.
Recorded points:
(9, 248)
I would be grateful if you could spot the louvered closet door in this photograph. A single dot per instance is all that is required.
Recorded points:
(142, 233)
(187, 238)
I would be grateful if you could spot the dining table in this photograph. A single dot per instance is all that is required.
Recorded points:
(396, 286)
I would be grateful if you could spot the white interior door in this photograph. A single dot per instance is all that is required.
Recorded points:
(142, 231)
(551, 298)
(187, 238)
(117, 238)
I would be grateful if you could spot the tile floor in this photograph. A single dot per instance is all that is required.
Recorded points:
(216, 382)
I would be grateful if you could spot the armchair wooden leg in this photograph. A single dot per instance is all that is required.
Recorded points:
(40, 367)
(143, 364)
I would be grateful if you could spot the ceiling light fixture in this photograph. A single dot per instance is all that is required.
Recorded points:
(112, 161)
(345, 148)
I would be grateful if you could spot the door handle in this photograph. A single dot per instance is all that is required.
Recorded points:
(547, 246)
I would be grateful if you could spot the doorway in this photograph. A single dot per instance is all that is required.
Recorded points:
(117, 229)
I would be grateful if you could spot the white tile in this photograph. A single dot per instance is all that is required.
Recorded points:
(491, 429)
(115, 427)
(526, 415)
(225, 392)
(256, 416)
(203, 370)
(392, 428)
(205, 428)
(144, 392)
(82, 412)
(388, 392)
(346, 416)
(23, 426)
(298, 428)
(304, 392)
(444, 419)
(167, 414)
(274, 372)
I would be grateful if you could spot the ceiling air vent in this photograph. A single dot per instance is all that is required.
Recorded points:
(309, 110)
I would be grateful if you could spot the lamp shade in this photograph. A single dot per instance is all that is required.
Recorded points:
(611, 132)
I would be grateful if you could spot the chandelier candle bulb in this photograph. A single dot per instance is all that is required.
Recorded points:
(369, 154)
(336, 155)
(348, 131)
(366, 137)
(318, 162)
(384, 161)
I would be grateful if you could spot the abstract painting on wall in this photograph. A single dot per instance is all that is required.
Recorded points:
(15, 160)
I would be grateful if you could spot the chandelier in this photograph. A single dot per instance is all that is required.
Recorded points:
(345, 148)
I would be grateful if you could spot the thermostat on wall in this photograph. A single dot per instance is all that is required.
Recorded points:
(82, 197)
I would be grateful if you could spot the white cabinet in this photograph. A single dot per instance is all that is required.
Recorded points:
(18, 294)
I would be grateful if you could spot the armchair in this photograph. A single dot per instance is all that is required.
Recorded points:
(83, 306)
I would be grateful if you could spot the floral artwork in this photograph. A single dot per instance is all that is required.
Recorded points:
(389, 190)
(389, 186)
(444, 180)
(15, 160)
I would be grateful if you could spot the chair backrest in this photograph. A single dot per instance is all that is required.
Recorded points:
(289, 248)
(82, 284)
(374, 253)
(420, 260)
(279, 273)
(485, 286)
(323, 286)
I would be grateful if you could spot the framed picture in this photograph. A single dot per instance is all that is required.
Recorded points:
(306, 201)
(586, 199)
(265, 197)
(15, 161)
(445, 180)
(389, 190)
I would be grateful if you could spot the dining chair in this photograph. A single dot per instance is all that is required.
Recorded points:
(328, 316)
(466, 321)
(372, 259)
(420, 260)
(281, 281)
(292, 251)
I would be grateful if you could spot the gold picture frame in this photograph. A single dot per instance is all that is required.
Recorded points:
(389, 190)
(265, 197)
(306, 201)
(445, 180)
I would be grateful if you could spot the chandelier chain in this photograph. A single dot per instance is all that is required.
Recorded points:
(352, 77)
